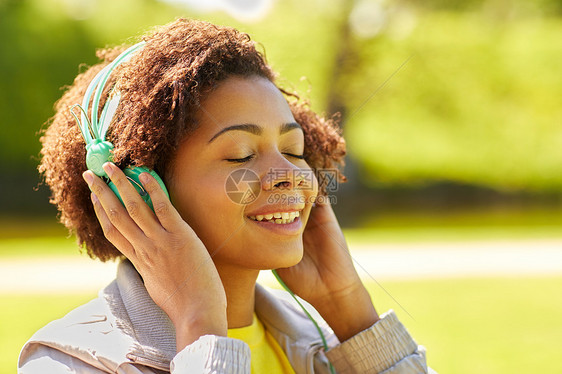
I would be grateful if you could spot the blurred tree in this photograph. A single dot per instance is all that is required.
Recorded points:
(477, 103)
(43, 44)
(38, 55)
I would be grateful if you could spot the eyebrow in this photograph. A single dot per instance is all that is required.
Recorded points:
(255, 129)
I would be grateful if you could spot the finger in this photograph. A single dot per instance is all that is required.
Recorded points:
(113, 208)
(168, 216)
(110, 232)
(137, 208)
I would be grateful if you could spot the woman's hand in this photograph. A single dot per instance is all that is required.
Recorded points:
(326, 277)
(175, 266)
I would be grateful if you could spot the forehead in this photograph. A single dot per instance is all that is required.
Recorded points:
(240, 100)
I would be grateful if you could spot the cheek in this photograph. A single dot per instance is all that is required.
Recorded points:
(203, 202)
(310, 189)
(314, 189)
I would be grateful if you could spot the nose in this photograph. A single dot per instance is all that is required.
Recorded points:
(285, 175)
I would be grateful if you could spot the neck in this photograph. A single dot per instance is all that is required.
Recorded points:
(239, 286)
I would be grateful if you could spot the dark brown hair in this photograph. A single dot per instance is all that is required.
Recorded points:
(161, 87)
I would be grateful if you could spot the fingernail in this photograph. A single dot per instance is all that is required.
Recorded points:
(108, 168)
(88, 177)
(144, 178)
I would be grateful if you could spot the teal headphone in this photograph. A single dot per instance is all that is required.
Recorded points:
(99, 150)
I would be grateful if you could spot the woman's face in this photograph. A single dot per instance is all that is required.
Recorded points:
(247, 141)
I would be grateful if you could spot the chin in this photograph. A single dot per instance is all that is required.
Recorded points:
(288, 260)
(250, 255)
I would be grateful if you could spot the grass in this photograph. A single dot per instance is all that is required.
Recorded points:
(25, 238)
(448, 234)
(38, 247)
(493, 325)
(61, 246)
(22, 315)
(460, 225)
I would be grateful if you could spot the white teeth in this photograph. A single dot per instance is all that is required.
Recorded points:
(279, 218)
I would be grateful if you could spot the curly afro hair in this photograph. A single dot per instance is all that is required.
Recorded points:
(161, 87)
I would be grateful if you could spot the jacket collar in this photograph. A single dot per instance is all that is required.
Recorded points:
(152, 330)
(154, 334)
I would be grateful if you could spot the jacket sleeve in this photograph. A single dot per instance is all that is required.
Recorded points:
(40, 358)
(213, 354)
(208, 355)
(386, 348)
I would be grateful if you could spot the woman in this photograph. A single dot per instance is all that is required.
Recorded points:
(197, 103)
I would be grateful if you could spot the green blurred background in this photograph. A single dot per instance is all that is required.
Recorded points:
(451, 110)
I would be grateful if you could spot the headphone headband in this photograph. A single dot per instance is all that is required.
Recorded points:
(94, 130)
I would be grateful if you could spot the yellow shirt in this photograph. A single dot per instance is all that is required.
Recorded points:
(266, 354)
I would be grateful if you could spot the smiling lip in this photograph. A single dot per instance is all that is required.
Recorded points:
(293, 228)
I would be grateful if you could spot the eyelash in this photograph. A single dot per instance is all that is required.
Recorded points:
(248, 158)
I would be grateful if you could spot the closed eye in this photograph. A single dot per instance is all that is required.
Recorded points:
(301, 157)
(248, 158)
(240, 160)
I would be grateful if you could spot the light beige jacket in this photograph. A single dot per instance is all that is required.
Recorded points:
(124, 331)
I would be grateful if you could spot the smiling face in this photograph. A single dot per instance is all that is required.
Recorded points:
(245, 123)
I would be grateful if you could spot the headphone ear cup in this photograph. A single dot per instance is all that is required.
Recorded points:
(132, 174)
(98, 153)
